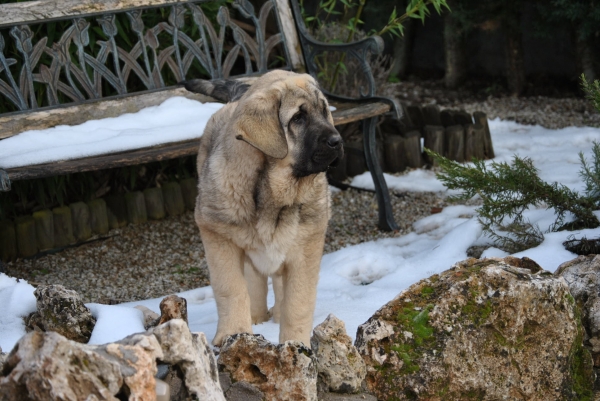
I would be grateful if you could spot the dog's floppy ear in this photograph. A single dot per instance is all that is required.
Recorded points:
(258, 124)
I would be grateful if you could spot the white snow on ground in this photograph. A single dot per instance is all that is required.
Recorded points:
(358, 280)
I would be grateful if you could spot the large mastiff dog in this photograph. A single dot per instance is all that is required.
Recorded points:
(263, 200)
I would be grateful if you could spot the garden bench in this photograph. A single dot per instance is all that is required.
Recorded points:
(58, 67)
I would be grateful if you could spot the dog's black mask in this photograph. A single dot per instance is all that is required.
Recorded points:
(320, 145)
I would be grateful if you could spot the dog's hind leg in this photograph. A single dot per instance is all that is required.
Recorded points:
(257, 289)
(226, 267)
(278, 290)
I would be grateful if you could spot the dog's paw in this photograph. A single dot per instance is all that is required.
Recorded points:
(222, 334)
(261, 318)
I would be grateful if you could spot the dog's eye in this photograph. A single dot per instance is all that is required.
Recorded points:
(298, 118)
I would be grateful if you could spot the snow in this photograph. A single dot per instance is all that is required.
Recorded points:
(176, 119)
(357, 280)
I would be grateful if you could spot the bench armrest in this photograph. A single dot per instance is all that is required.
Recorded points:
(360, 50)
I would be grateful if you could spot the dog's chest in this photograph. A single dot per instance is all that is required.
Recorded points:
(273, 233)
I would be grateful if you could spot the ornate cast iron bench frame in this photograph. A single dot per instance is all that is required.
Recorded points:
(69, 81)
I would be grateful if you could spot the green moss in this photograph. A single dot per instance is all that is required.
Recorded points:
(417, 323)
(427, 291)
(408, 356)
(478, 313)
(500, 339)
(581, 364)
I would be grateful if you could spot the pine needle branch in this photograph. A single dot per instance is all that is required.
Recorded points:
(507, 191)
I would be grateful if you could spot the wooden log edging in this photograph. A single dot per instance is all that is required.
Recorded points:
(455, 134)
(79, 222)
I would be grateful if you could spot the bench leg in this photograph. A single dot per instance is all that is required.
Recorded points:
(4, 181)
(386, 217)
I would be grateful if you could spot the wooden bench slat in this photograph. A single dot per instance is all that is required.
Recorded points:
(92, 110)
(122, 159)
(47, 10)
(12, 124)
(346, 114)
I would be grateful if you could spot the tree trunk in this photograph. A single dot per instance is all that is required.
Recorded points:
(585, 57)
(515, 66)
(454, 50)
(402, 49)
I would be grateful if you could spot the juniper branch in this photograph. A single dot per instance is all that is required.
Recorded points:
(507, 191)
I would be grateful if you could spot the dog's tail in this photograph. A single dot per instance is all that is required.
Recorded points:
(224, 90)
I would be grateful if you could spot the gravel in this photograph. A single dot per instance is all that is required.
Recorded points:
(553, 112)
(163, 257)
(159, 258)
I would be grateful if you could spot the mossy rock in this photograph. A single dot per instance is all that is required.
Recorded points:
(481, 330)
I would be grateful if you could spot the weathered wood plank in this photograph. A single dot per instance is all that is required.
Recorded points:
(358, 112)
(288, 29)
(140, 156)
(157, 153)
(49, 10)
(15, 123)
(434, 140)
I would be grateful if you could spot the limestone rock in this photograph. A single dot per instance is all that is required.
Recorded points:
(485, 329)
(583, 277)
(239, 391)
(149, 316)
(174, 379)
(346, 397)
(61, 310)
(48, 367)
(190, 353)
(172, 307)
(281, 372)
(3, 357)
(340, 366)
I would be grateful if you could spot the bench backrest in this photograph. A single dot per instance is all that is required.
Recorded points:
(68, 52)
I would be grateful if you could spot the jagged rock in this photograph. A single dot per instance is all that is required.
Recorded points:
(281, 372)
(163, 391)
(239, 391)
(346, 397)
(172, 307)
(340, 366)
(174, 379)
(149, 316)
(190, 353)
(3, 357)
(48, 367)
(485, 329)
(61, 310)
(583, 277)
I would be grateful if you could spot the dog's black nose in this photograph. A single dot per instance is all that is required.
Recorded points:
(334, 141)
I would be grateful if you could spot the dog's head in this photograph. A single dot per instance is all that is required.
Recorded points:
(286, 116)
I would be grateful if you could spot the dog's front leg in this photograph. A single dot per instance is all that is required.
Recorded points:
(226, 267)
(300, 278)
(258, 290)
